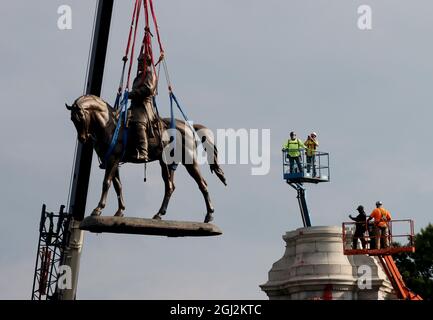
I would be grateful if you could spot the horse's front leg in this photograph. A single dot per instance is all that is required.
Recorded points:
(118, 187)
(108, 178)
(168, 177)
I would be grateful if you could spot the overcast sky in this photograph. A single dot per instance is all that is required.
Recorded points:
(281, 65)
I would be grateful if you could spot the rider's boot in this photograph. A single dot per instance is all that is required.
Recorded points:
(141, 152)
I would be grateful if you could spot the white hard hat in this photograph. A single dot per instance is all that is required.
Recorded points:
(313, 134)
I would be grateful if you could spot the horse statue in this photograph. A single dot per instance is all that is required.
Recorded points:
(95, 120)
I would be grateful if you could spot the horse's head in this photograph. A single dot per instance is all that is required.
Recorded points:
(91, 116)
(81, 120)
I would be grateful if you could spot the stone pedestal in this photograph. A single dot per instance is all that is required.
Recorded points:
(314, 267)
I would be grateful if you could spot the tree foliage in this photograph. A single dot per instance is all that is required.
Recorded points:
(417, 268)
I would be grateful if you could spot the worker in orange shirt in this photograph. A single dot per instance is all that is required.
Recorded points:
(381, 218)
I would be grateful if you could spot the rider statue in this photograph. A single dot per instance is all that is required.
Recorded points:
(143, 114)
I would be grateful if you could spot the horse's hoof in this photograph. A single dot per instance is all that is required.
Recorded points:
(208, 218)
(96, 213)
(119, 214)
(157, 217)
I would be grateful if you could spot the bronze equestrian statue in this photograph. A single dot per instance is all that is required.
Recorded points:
(95, 119)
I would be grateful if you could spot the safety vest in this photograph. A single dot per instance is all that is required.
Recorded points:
(311, 147)
(381, 217)
(293, 147)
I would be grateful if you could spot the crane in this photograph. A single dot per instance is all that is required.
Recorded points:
(60, 237)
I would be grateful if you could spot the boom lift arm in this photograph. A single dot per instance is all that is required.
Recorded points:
(302, 202)
(396, 279)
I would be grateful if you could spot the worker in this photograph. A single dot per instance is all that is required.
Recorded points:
(360, 228)
(311, 143)
(142, 109)
(371, 232)
(381, 218)
(294, 146)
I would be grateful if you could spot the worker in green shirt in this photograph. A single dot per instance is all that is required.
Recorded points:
(293, 148)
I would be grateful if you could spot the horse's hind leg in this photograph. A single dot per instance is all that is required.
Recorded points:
(118, 187)
(168, 177)
(194, 172)
(108, 178)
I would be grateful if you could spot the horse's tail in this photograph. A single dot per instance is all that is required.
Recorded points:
(209, 146)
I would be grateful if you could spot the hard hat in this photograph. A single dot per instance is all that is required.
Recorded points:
(360, 208)
(313, 134)
(378, 203)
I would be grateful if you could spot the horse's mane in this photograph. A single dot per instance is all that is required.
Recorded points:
(88, 101)
(93, 103)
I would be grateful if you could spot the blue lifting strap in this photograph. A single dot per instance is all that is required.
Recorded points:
(172, 166)
(172, 119)
(116, 103)
(173, 124)
(115, 138)
(173, 97)
(122, 78)
(155, 105)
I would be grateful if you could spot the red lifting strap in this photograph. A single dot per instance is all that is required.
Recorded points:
(147, 43)
(146, 47)
(156, 26)
(133, 43)
(130, 30)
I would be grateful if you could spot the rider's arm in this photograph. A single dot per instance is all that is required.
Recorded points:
(140, 92)
(144, 88)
